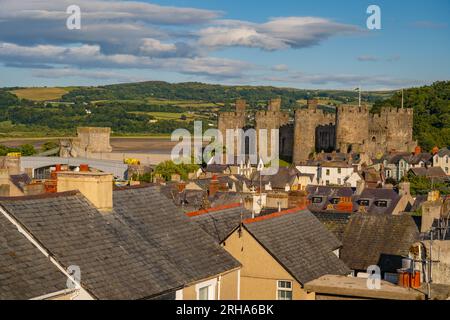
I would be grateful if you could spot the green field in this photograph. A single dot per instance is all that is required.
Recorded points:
(40, 94)
(184, 103)
(170, 115)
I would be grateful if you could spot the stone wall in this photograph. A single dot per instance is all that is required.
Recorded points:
(232, 120)
(306, 122)
(93, 139)
(352, 128)
(271, 119)
(399, 125)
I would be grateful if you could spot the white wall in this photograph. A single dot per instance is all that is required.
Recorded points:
(331, 175)
(443, 162)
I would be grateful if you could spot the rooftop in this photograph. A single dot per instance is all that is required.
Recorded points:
(335, 285)
(373, 239)
(219, 222)
(299, 242)
(138, 251)
(25, 273)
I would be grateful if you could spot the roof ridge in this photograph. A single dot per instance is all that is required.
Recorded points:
(141, 186)
(42, 196)
(274, 215)
(215, 209)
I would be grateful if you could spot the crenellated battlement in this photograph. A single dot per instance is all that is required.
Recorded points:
(313, 111)
(351, 128)
(393, 111)
(351, 109)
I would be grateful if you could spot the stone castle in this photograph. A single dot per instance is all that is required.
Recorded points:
(351, 129)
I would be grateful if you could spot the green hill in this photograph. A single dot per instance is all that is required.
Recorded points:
(157, 107)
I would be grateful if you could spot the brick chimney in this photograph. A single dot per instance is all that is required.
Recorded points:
(181, 186)
(95, 186)
(214, 186)
(417, 150)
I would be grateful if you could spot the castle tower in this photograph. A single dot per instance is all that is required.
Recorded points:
(307, 121)
(399, 129)
(93, 139)
(233, 120)
(273, 118)
(352, 128)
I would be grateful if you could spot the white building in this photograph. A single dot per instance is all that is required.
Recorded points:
(333, 173)
(442, 159)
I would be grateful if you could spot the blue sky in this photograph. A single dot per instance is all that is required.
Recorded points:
(303, 44)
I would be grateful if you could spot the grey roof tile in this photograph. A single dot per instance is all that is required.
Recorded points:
(300, 243)
(25, 272)
(372, 239)
(144, 248)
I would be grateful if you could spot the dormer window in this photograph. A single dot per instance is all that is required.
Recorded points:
(381, 203)
(317, 200)
(364, 203)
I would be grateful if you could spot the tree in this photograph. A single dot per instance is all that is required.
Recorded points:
(49, 145)
(27, 150)
(168, 168)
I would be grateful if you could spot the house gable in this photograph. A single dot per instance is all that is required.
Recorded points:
(260, 270)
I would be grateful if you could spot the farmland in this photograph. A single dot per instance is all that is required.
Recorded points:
(40, 94)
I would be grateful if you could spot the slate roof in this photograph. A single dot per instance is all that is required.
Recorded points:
(219, 222)
(374, 195)
(144, 248)
(284, 176)
(431, 172)
(410, 158)
(20, 180)
(25, 273)
(326, 193)
(225, 198)
(444, 152)
(371, 239)
(299, 242)
(216, 168)
(188, 200)
(336, 222)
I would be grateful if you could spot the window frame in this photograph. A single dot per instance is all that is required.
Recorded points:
(285, 289)
(211, 285)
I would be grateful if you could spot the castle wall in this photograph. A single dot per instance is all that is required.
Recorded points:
(232, 120)
(93, 139)
(271, 119)
(399, 124)
(306, 122)
(352, 128)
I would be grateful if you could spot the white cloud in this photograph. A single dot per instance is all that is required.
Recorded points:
(96, 10)
(276, 34)
(152, 46)
(90, 56)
